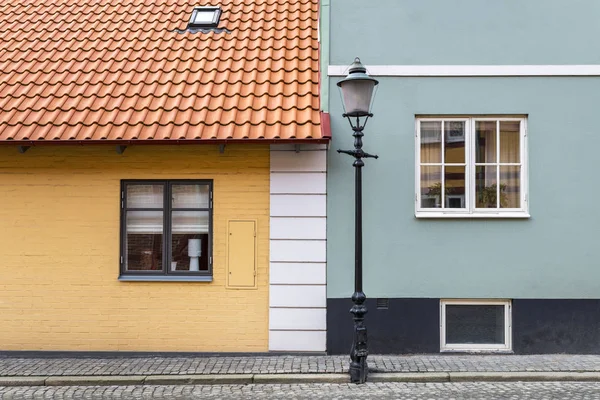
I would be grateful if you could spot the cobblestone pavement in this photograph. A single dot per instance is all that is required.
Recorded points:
(14, 366)
(414, 391)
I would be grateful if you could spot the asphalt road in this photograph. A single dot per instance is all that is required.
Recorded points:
(414, 391)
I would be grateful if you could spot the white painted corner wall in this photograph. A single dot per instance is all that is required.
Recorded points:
(298, 270)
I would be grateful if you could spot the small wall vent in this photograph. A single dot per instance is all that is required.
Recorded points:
(383, 304)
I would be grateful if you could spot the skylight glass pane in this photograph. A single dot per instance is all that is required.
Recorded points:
(204, 17)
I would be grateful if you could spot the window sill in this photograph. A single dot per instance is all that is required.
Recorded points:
(477, 351)
(505, 215)
(163, 278)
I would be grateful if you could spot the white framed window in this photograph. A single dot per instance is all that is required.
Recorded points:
(476, 325)
(471, 167)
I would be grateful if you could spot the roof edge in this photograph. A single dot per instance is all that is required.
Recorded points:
(325, 125)
(323, 140)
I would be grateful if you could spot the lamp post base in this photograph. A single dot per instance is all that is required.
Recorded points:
(359, 371)
(359, 352)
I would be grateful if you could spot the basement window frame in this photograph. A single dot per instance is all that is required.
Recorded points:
(165, 273)
(205, 25)
(505, 347)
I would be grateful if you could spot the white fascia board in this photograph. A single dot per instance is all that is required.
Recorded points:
(472, 70)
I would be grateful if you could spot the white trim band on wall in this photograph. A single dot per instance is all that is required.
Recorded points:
(472, 70)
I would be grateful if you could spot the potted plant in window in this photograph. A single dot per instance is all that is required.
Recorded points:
(435, 191)
(487, 196)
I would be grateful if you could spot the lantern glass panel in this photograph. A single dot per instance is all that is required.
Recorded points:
(357, 96)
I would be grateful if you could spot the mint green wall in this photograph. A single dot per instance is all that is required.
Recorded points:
(555, 254)
(465, 31)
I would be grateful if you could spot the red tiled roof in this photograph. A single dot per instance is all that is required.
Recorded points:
(102, 70)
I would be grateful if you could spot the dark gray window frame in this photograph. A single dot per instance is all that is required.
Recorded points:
(165, 274)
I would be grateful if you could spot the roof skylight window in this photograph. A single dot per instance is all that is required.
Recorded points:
(205, 17)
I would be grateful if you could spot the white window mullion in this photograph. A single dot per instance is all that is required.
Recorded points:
(470, 154)
(442, 325)
(508, 324)
(443, 170)
(498, 164)
(523, 174)
(418, 169)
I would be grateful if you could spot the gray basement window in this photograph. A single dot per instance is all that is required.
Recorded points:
(475, 325)
(205, 17)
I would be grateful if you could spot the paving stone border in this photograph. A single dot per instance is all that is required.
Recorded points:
(287, 364)
(278, 379)
(318, 391)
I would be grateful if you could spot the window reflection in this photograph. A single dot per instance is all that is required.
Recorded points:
(485, 147)
(454, 179)
(431, 186)
(431, 142)
(189, 241)
(190, 196)
(510, 186)
(510, 137)
(144, 240)
(145, 196)
(486, 187)
(454, 142)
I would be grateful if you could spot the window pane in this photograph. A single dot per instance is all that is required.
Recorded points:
(190, 196)
(144, 232)
(203, 17)
(454, 142)
(144, 196)
(510, 187)
(455, 187)
(431, 142)
(485, 187)
(189, 241)
(431, 187)
(477, 324)
(510, 135)
(485, 136)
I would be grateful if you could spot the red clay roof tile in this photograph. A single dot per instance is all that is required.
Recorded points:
(100, 70)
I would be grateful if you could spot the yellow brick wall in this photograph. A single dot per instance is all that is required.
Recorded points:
(59, 252)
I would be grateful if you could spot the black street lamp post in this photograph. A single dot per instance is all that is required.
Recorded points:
(357, 92)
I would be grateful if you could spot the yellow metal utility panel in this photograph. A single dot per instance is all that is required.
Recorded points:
(241, 254)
